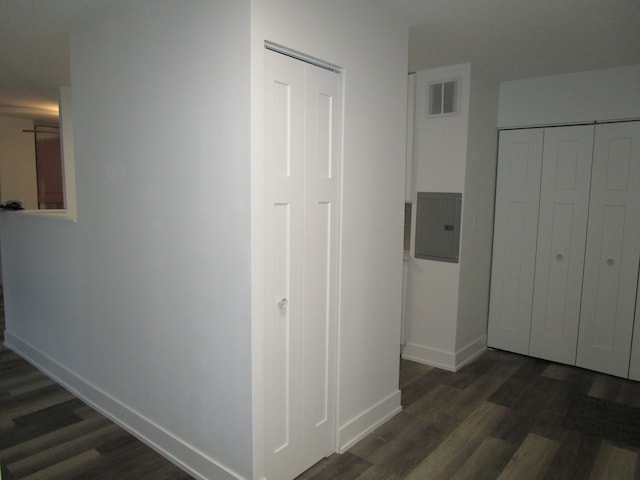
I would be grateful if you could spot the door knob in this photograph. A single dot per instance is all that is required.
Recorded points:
(559, 256)
(283, 304)
(610, 261)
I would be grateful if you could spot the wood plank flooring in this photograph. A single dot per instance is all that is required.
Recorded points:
(46, 433)
(504, 416)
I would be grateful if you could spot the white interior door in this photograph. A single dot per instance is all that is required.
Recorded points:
(322, 217)
(613, 251)
(303, 112)
(562, 231)
(515, 234)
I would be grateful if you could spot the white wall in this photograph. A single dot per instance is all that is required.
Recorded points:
(440, 156)
(372, 49)
(447, 303)
(598, 95)
(477, 217)
(143, 305)
(17, 162)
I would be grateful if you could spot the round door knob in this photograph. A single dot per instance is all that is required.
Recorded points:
(559, 256)
(283, 304)
(610, 261)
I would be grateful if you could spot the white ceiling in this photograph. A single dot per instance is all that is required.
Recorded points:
(34, 53)
(514, 39)
(509, 39)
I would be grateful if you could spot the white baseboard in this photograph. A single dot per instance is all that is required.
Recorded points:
(470, 352)
(176, 450)
(446, 360)
(430, 356)
(360, 426)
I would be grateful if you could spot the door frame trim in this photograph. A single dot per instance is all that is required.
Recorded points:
(274, 47)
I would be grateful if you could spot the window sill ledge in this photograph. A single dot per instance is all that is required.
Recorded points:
(65, 215)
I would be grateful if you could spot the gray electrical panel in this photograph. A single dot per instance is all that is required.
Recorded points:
(438, 226)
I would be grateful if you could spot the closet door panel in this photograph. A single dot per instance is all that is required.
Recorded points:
(322, 200)
(302, 168)
(515, 233)
(284, 270)
(613, 251)
(562, 230)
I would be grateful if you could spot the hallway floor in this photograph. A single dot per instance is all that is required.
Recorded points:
(503, 416)
(48, 434)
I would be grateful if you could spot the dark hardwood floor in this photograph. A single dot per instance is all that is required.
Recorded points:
(503, 416)
(47, 434)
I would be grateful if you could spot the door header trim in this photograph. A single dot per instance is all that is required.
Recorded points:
(302, 57)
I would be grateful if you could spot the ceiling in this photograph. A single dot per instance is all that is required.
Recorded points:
(34, 53)
(514, 39)
(508, 39)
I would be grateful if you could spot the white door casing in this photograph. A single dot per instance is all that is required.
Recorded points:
(613, 251)
(303, 129)
(562, 231)
(515, 234)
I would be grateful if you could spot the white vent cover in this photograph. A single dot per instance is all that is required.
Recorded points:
(443, 98)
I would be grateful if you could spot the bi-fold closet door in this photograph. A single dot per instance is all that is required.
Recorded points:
(567, 245)
(610, 287)
(303, 125)
(515, 236)
(561, 240)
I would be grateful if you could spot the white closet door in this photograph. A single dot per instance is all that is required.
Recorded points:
(515, 234)
(302, 166)
(613, 251)
(322, 216)
(284, 222)
(562, 230)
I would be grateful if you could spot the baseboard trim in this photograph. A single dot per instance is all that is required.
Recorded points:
(360, 426)
(446, 360)
(174, 449)
(433, 357)
(470, 352)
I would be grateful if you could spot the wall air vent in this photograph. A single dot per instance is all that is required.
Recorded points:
(443, 98)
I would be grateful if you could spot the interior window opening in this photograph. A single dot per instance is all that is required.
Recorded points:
(49, 181)
(37, 164)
